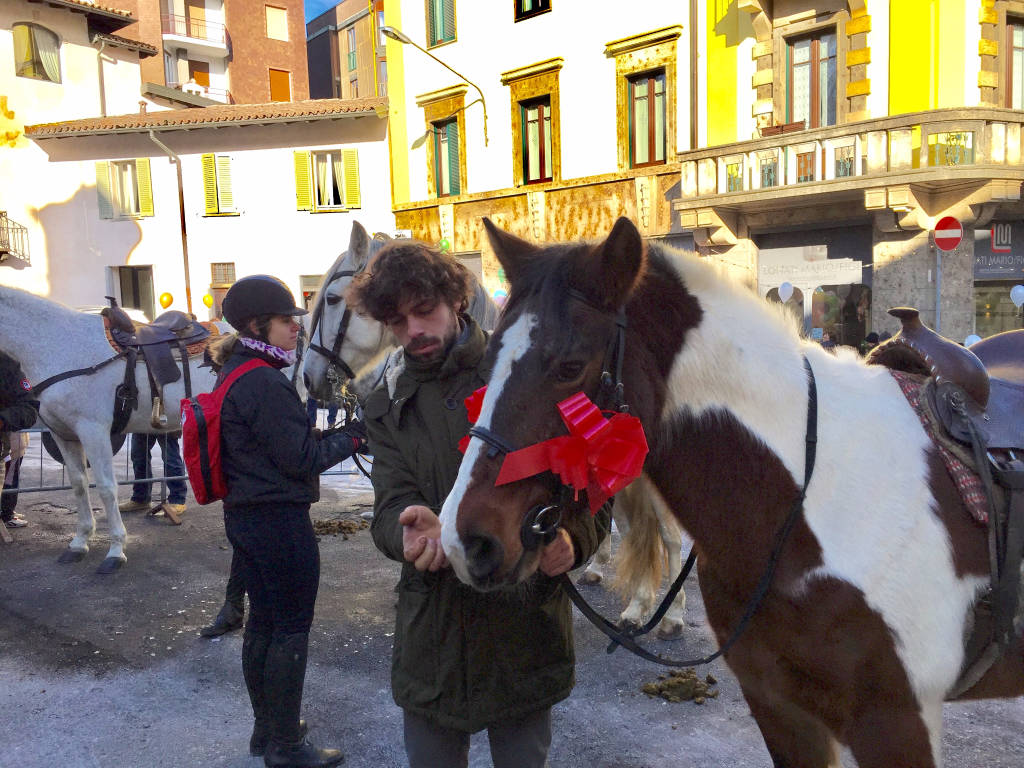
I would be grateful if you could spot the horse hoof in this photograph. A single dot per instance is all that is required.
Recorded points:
(589, 578)
(71, 556)
(673, 632)
(110, 564)
(628, 625)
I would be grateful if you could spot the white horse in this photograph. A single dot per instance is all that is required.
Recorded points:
(48, 338)
(649, 541)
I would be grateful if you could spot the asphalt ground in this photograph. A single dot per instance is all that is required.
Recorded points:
(110, 670)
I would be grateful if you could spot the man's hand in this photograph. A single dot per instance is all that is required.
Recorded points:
(558, 557)
(421, 538)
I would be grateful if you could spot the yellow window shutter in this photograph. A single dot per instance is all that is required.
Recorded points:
(209, 184)
(145, 186)
(303, 182)
(225, 195)
(351, 158)
(103, 190)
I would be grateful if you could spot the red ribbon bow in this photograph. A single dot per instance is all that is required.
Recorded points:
(599, 455)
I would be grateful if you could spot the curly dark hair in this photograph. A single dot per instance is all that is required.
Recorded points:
(408, 270)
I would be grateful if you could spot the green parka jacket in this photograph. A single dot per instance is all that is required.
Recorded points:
(462, 658)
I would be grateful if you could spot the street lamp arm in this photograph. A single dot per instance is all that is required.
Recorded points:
(401, 37)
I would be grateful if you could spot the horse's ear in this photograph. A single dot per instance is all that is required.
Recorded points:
(359, 245)
(619, 262)
(513, 253)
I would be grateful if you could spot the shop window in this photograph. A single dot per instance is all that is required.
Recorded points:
(536, 128)
(994, 310)
(440, 22)
(647, 119)
(36, 52)
(527, 9)
(812, 80)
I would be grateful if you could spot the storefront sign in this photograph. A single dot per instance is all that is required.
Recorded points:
(999, 252)
(791, 265)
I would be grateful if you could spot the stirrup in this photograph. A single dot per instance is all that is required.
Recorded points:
(158, 417)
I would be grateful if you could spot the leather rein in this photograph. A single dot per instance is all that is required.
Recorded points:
(541, 524)
(332, 355)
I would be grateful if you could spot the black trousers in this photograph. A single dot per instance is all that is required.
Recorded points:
(280, 561)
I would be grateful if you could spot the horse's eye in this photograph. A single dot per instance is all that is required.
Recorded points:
(332, 299)
(569, 371)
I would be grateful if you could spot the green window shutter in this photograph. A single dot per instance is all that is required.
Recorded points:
(209, 184)
(303, 182)
(351, 161)
(448, 29)
(432, 35)
(454, 182)
(145, 186)
(103, 190)
(225, 195)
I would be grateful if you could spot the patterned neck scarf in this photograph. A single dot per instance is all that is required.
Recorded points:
(285, 357)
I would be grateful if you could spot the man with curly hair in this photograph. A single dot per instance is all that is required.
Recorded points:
(463, 660)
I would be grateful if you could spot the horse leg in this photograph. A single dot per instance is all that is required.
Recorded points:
(910, 738)
(74, 461)
(794, 737)
(593, 573)
(671, 627)
(97, 448)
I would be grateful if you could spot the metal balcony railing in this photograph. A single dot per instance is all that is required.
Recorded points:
(217, 94)
(917, 143)
(13, 239)
(198, 29)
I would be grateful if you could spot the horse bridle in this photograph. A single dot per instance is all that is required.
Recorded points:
(540, 526)
(332, 355)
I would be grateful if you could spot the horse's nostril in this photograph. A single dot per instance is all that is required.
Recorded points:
(484, 555)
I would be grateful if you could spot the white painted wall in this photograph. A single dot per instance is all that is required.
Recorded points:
(269, 235)
(878, 67)
(489, 43)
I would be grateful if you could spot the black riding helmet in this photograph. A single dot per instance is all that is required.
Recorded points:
(257, 295)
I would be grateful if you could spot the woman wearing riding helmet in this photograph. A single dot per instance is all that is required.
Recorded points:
(271, 462)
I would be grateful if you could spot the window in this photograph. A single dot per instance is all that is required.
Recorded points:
(353, 86)
(382, 78)
(350, 33)
(36, 52)
(280, 85)
(647, 119)
(446, 158)
(124, 188)
(812, 80)
(526, 9)
(199, 72)
(277, 23)
(170, 69)
(327, 180)
(222, 274)
(440, 21)
(217, 193)
(1015, 66)
(380, 35)
(536, 117)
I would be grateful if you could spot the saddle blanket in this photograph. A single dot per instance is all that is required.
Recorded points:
(964, 477)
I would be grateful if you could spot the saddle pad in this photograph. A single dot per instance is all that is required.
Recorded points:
(964, 477)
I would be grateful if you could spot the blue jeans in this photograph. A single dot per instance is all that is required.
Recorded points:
(142, 446)
(311, 410)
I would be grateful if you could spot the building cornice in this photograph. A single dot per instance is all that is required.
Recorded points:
(451, 92)
(532, 70)
(644, 40)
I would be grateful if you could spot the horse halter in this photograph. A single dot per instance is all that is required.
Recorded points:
(332, 355)
(540, 526)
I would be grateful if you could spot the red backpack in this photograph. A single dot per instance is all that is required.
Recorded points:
(200, 437)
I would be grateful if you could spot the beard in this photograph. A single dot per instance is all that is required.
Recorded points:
(441, 346)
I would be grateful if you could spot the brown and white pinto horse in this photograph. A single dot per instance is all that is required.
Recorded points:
(861, 634)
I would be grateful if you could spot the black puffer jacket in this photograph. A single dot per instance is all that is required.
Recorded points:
(268, 452)
(17, 408)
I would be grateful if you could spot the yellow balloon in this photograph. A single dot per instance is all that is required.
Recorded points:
(166, 300)
(208, 300)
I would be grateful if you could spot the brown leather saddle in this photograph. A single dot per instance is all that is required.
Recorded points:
(157, 342)
(978, 397)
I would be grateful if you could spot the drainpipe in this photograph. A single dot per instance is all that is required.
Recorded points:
(181, 213)
(103, 89)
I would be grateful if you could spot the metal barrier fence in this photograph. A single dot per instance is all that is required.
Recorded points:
(48, 468)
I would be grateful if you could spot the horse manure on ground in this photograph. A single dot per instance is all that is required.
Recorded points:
(682, 685)
(344, 526)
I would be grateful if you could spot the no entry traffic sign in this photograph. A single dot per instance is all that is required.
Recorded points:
(948, 234)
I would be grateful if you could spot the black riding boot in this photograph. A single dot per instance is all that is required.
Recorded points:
(254, 661)
(229, 618)
(284, 674)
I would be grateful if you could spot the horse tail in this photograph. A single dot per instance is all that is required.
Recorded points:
(641, 556)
